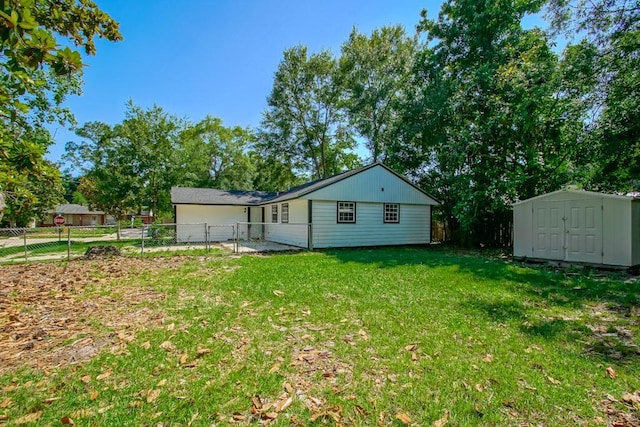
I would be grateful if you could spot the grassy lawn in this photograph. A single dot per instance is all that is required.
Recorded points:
(380, 337)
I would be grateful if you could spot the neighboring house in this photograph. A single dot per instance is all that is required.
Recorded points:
(369, 206)
(578, 226)
(77, 215)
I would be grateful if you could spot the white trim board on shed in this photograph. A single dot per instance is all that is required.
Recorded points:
(578, 226)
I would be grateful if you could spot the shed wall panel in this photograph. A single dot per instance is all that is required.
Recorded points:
(616, 232)
(372, 185)
(635, 232)
(369, 229)
(523, 230)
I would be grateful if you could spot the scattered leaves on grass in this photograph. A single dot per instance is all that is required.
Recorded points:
(46, 306)
(404, 418)
(278, 293)
(488, 358)
(611, 373)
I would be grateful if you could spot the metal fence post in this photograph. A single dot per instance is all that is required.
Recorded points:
(26, 257)
(68, 243)
(206, 237)
(236, 236)
(142, 242)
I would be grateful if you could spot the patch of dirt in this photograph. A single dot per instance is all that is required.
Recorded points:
(622, 412)
(53, 315)
(94, 252)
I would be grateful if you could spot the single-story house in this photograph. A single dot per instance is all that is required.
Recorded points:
(578, 227)
(369, 206)
(75, 215)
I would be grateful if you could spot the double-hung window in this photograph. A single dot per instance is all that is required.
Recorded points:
(346, 212)
(285, 213)
(391, 213)
(274, 213)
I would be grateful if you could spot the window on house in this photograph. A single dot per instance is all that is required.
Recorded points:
(391, 212)
(347, 212)
(285, 212)
(274, 213)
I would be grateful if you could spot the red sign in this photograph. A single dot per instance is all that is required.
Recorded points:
(58, 220)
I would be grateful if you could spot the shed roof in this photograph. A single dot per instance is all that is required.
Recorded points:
(73, 209)
(594, 194)
(208, 196)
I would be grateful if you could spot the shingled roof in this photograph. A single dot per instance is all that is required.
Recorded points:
(73, 209)
(209, 196)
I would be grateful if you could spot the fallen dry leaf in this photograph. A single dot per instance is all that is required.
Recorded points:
(105, 374)
(631, 398)
(488, 358)
(274, 368)
(203, 351)
(86, 379)
(6, 403)
(184, 358)
(146, 345)
(278, 293)
(442, 421)
(67, 421)
(270, 415)
(152, 395)
(283, 404)
(404, 418)
(29, 418)
(410, 347)
(167, 345)
(82, 413)
(93, 395)
(480, 387)
(553, 380)
(610, 372)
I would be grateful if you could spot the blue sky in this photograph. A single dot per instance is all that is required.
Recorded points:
(217, 57)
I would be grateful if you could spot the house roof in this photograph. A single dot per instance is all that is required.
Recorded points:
(209, 196)
(73, 209)
(630, 196)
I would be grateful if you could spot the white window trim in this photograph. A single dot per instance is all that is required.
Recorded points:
(338, 212)
(397, 213)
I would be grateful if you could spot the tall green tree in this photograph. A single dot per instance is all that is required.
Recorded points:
(131, 165)
(214, 156)
(609, 32)
(304, 125)
(152, 137)
(37, 74)
(489, 121)
(374, 71)
(108, 177)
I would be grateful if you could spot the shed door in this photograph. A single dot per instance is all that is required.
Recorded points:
(548, 230)
(584, 230)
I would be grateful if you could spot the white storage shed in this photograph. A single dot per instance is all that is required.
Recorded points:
(578, 226)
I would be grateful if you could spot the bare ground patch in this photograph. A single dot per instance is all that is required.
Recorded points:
(52, 315)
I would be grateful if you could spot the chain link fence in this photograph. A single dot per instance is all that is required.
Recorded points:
(18, 245)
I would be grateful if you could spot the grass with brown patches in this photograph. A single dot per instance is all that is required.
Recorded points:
(388, 336)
